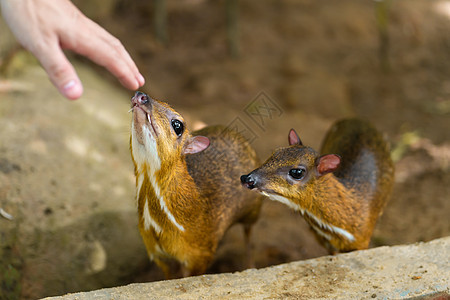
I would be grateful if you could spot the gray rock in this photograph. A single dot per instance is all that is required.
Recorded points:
(396, 272)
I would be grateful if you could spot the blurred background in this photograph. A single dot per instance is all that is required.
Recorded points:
(68, 220)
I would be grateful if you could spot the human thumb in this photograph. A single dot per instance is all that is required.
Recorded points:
(61, 72)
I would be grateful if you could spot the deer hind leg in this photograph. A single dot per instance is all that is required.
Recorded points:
(247, 222)
(250, 262)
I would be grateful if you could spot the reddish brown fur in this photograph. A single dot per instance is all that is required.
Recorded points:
(198, 189)
(351, 198)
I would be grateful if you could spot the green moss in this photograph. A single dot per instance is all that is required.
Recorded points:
(407, 139)
(10, 265)
(10, 283)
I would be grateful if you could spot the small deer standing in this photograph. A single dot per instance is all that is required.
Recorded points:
(340, 194)
(187, 186)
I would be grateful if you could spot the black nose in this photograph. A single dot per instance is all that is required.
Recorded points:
(248, 181)
(139, 98)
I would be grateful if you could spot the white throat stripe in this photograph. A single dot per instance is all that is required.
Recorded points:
(149, 153)
(163, 205)
(339, 231)
(148, 220)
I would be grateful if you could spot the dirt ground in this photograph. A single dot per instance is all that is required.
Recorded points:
(317, 61)
(310, 63)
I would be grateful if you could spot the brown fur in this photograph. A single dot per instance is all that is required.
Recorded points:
(201, 190)
(351, 198)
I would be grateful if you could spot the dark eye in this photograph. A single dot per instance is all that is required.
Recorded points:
(297, 173)
(178, 127)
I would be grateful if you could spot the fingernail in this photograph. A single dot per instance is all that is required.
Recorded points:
(141, 80)
(69, 85)
(72, 89)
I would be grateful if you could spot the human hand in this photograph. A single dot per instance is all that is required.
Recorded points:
(46, 27)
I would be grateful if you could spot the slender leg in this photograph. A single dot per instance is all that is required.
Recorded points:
(164, 267)
(185, 271)
(248, 246)
(198, 269)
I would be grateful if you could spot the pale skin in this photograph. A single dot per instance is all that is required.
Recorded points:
(46, 27)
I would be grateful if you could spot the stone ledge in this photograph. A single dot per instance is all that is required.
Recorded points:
(397, 272)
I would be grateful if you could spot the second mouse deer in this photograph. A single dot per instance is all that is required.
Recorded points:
(187, 185)
(340, 193)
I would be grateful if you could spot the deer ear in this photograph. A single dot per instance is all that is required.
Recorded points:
(293, 138)
(328, 163)
(196, 144)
